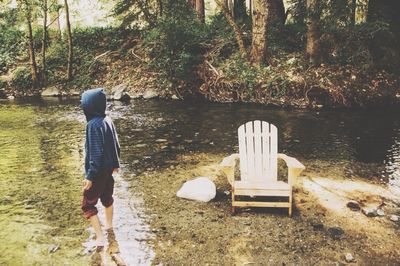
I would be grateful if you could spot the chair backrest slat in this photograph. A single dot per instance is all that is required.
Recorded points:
(242, 152)
(258, 150)
(249, 136)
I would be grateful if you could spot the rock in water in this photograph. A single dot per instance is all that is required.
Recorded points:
(380, 212)
(349, 257)
(353, 205)
(335, 232)
(53, 248)
(199, 189)
(51, 92)
(120, 93)
(369, 212)
(149, 94)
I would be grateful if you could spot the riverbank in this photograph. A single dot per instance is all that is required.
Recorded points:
(322, 87)
(322, 231)
(128, 72)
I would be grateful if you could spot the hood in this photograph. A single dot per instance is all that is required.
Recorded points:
(93, 103)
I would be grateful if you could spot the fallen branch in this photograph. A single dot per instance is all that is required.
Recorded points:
(213, 68)
(100, 56)
(138, 57)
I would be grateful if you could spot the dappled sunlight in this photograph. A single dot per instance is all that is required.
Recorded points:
(333, 194)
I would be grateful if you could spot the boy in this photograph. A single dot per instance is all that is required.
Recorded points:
(102, 152)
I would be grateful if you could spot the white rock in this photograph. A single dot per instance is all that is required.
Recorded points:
(150, 93)
(380, 212)
(349, 257)
(199, 189)
(73, 93)
(10, 97)
(51, 92)
(119, 93)
(394, 218)
(174, 97)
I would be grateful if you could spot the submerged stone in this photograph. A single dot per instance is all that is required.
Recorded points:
(369, 212)
(335, 232)
(353, 205)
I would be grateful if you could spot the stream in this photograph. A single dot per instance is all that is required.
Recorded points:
(41, 164)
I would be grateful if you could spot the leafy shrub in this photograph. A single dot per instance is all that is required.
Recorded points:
(175, 43)
(11, 46)
(22, 79)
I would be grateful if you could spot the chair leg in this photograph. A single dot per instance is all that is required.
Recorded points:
(233, 210)
(290, 206)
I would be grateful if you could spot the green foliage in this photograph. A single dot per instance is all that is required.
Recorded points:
(12, 40)
(175, 44)
(100, 38)
(241, 71)
(22, 79)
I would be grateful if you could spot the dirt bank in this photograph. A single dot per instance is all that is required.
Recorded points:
(322, 231)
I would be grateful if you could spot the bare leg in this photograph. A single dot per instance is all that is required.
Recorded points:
(95, 222)
(109, 216)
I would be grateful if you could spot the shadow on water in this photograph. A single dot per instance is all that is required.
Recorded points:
(41, 154)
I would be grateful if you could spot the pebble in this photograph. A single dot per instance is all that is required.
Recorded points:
(380, 212)
(335, 232)
(353, 205)
(140, 145)
(349, 257)
(394, 218)
(161, 140)
(53, 248)
(369, 212)
(318, 226)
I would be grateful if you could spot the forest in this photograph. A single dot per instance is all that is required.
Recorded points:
(301, 53)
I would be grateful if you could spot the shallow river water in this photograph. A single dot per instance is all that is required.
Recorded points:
(41, 155)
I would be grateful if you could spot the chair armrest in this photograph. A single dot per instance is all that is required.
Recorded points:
(294, 167)
(227, 166)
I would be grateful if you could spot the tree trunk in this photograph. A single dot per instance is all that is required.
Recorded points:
(160, 7)
(44, 42)
(192, 4)
(276, 13)
(32, 58)
(234, 26)
(259, 45)
(313, 33)
(353, 12)
(70, 47)
(239, 10)
(251, 7)
(200, 10)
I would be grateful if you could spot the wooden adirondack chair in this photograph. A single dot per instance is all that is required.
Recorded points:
(258, 155)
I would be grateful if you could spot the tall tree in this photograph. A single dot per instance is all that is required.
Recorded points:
(26, 7)
(44, 41)
(238, 34)
(313, 52)
(70, 47)
(259, 45)
(276, 14)
(239, 10)
(200, 10)
(353, 12)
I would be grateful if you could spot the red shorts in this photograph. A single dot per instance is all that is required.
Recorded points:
(102, 188)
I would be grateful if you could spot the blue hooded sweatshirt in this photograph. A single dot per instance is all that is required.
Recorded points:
(102, 148)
